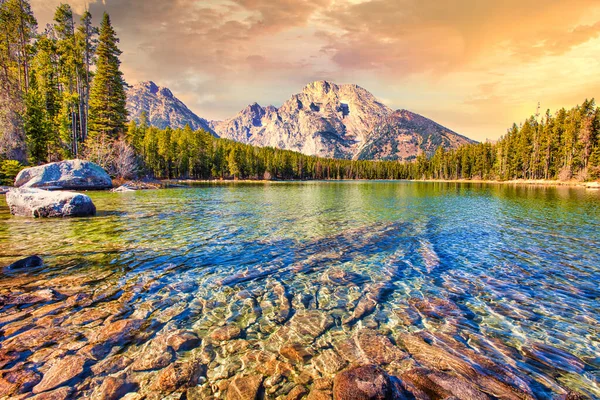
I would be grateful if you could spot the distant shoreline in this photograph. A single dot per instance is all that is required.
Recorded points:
(173, 183)
(532, 182)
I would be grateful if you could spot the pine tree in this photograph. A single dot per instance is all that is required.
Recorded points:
(87, 43)
(136, 132)
(70, 77)
(36, 125)
(108, 113)
(44, 76)
(17, 30)
(233, 162)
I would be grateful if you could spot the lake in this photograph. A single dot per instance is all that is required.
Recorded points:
(485, 289)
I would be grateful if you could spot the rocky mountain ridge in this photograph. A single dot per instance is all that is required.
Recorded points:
(324, 119)
(162, 107)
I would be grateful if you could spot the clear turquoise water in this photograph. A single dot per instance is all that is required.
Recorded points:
(521, 262)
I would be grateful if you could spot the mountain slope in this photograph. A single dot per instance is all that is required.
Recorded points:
(403, 134)
(162, 107)
(340, 121)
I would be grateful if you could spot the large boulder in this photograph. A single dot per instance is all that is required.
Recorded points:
(69, 174)
(38, 203)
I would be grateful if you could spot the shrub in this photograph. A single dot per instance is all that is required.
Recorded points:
(117, 157)
(565, 174)
(9, 169)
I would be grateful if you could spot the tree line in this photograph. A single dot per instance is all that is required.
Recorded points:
(564, 146)
(62, 95)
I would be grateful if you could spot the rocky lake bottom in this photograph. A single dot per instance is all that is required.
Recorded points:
(276, 291)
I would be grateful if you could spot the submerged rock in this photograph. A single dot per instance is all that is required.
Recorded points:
(181, 374)
(61, 372)
(118, 332)
(297, 393)
(368, 382)
(446, 356)
(7, 358)
(183, 340)
(34, 339)
(39, 203)
(62, 393)
(227, 332)
(26, 263)
(244, 387)
(553, 357)
(17, 381)
(317, 394)
(154, 356)
(340, 276)
(373, 294)
(369, 346)
(296, 353)
(39, 296)
(571, 395)
(328, 362)
(69, 174)
(303, 328)
(114, 388)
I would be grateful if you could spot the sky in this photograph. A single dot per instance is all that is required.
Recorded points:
(473, 66)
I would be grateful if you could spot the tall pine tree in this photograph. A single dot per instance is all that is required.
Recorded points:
(108, 113)
(87, 43)
(17, 30)
(70, 69)
(35, 124)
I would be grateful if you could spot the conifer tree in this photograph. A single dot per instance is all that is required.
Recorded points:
(108, 113)
(87, 42)
(70, 68)
(45, 80)
(233, 163)
(36, 125)
(17, 30)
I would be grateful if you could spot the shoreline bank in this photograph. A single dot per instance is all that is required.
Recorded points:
(174, 183)
(533, 182)
(538, 182)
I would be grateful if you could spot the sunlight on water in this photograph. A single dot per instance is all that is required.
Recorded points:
(502, 280)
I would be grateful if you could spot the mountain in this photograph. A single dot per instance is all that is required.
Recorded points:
(340, 121)
(325, 119)
(162, 107)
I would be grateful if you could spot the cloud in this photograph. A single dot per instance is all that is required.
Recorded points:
(408, 35)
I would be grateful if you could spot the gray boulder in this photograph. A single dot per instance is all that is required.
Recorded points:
(38, 203)
(69, 174)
